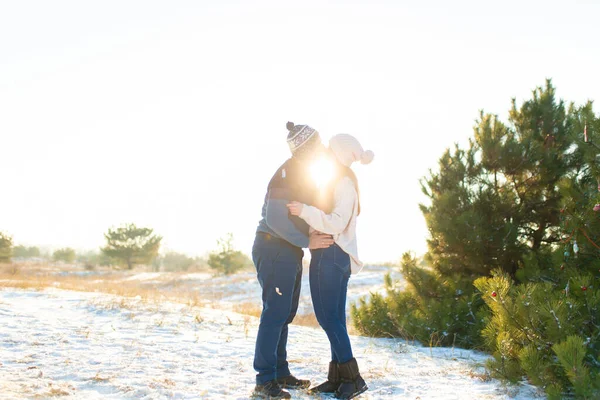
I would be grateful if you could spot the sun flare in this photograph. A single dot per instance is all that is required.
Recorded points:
(321, 171)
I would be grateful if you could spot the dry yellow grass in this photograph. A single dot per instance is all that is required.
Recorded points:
(41, 277)
(306, 320)
(55, 390)
(99, 378)
(251, 309)
(108, 285)
(255, 310)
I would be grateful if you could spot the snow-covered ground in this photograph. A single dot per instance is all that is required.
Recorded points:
(79, 345)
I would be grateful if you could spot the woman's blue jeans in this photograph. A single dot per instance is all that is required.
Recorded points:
(329, 275)
(279, 271)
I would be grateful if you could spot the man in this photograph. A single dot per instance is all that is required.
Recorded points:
(277, 254)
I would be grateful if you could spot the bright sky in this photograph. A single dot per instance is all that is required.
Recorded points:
(171, 114)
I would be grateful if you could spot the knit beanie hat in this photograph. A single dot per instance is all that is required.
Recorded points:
(301, 138)
(348, 150)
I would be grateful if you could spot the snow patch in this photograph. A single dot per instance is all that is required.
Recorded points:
(144, 276)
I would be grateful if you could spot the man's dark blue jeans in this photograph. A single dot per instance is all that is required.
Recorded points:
(329, 275)
(279, 271)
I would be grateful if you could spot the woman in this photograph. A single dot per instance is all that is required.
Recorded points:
(330, 268)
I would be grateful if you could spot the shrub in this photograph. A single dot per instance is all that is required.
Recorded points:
(66, 254)
(226, 259)
(431, 310)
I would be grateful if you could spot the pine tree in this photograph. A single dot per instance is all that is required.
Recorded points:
(514, 250)
(496, 202)
(131, 245)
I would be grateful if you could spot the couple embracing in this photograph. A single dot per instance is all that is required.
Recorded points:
(298, 213)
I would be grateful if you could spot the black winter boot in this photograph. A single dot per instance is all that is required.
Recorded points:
(352, 383)
(291, 381)
(332, 382)
(270, 390)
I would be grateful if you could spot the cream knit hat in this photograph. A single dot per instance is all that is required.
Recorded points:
(348, 150)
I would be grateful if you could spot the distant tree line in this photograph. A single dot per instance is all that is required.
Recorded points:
(26, 252)
(129, 245)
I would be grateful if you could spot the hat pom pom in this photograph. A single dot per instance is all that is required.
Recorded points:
(367, 157)
(289, 126)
